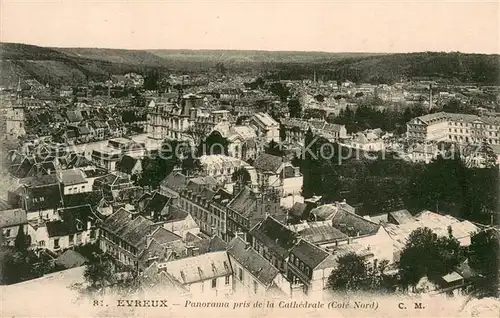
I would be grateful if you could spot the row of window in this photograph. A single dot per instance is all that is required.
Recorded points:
(467, 131)
(451, 123)
(300, 265)
(119, 242)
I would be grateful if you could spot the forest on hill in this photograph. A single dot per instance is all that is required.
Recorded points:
(77, 65)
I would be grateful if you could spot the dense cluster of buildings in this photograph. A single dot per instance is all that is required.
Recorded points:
(212, 232)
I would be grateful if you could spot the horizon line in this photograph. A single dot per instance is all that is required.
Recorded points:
(245, 50)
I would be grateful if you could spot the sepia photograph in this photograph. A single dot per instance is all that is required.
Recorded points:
(236, 158)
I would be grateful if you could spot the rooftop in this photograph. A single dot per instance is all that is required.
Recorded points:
(252, 261)
(72, 177)
(198, 268)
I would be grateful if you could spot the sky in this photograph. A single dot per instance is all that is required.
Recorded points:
(291, 25)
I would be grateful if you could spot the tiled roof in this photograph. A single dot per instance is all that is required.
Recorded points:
(275, 235)
(198, 268)
(308, 253)
(401, 216)
(131, 230)
(91, 198)
(298, 209)
(252, 261)
(353, 225)
(267, 162)
(265, 119)
(12, 217)
(163, 236)
(43, 198)
(318, 232)
(126, 164)
(175, 181)
(72, 177)
(156, 204)
(244, 202)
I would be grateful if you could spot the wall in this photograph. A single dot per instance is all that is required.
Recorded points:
(292, 185)
(245, 286)
(204, 288)
(77, 188)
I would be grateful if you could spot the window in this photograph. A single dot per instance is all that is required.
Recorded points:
(226, 279)
(255, 287)
(41, 243)
(214, 283)
(92, 234)
(71, 239)
(7, 233)
(56, 244)
(240, 274)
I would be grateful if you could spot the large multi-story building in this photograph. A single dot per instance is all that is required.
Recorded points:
(295, 129)
(180, 121)
(460, 128)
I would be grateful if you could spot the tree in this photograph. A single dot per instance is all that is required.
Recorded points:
(190, 165)
(151, 80)
(213, 144)
(100, 274)
(241, 174)
(484, 259)
(198, 131)
(294, 108)
(426, 254)
(273, 148)
(351, 274)
(22, 241)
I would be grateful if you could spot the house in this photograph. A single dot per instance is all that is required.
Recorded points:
(173, 184)
(40, 196)
(439, 224)
(326, 212)
(295, 130)
(309, 268)
(74, 181)
(157, 207)
(196, 200)
(253, 275)
(208, 274)
(242, 140)
(116, 188)
(265, 127)
(106, 158)
(97, 130)
(11, 221)
(274, 171)
(424, 153)
(83, 134)
(367, 141)
(180, 222)
(134, 240)
(247, 208)
(74, 116)
(74, 226)
(220, 167)
(273, 240)
(129, 167)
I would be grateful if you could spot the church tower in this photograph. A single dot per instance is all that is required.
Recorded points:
(15, 116)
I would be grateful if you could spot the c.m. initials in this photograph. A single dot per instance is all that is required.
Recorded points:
(418, 306)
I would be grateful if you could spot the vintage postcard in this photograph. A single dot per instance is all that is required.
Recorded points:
(268, 158)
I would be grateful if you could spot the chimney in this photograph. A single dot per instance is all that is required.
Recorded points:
(195, 251)
(242, 235)
(149, 237)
